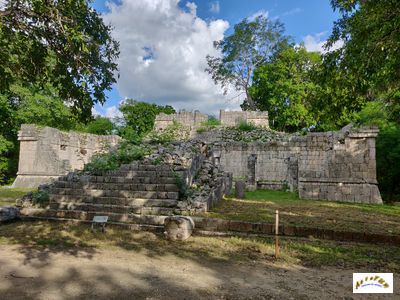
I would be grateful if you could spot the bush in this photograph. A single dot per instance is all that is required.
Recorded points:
(245, 126)
(100, 125)
(125, 153)
(40, 198)
(202, 129)
(213, 122)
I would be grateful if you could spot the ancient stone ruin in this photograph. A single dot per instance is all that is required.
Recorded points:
(47, 153)
(190, 176)
(233, 118)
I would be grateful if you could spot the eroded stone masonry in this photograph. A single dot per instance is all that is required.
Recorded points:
(192, 175)
(47, 153)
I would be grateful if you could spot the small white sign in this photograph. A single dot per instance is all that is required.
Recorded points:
(373, 283)
(100, 219)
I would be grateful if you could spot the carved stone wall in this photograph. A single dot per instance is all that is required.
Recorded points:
(47, 153)
(333, 165)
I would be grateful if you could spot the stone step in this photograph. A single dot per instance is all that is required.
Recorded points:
(145, 167)
(112, 175)
(76, 193)
(137, 207)
(126, 181)
(150, 219)
(168, 187)
(134, 200)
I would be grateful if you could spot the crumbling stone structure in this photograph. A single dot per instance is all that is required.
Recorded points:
(336, 166)
(47, 153)
(233, 118)
(190, 120)
(194, 120)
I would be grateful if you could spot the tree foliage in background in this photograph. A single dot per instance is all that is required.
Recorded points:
(387, 147)
(23, 105)
(139, 118)
(284, 87)
(251, 45)
(370, 30)
(62, 43)
(100, 125)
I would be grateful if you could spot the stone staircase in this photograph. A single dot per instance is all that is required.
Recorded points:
(142, 193)
(136, 193)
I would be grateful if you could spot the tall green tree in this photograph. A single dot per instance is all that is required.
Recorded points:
(64, 43)
(139, 118)
(284, 87)
(100, 125)
(370, 32)
(20, 105)
(251, 45)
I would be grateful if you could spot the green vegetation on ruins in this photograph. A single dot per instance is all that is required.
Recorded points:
(53, 77)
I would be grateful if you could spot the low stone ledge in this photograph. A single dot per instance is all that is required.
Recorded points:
(220, 225)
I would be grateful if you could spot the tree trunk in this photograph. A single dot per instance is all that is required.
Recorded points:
(250, 103)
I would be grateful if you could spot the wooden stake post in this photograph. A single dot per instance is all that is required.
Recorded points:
(276, 233)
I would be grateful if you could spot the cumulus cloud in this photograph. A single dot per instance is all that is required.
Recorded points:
(214, 7)
(95, 112)
(113, 112)
(163, 50)
(316, 43)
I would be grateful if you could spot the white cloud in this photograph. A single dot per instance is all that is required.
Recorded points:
(163, 51)
(258, 13)
(95, 112)
(112, 112)
(291, 12)
(316, 43)
(2, 4)
(214, 7)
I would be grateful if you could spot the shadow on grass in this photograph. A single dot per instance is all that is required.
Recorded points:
(41, 244)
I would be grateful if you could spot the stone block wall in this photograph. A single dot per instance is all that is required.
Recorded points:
(47, 153)
(233, 118)
(190, 120)
(333, 165)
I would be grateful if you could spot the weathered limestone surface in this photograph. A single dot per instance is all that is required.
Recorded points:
(178, 228)
(233, 118)
(194, 120)
(47, 153)
(333, 165)
(190, 120)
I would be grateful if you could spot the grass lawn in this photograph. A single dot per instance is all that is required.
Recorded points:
(260, 206)
(63, 237)
(9, 195)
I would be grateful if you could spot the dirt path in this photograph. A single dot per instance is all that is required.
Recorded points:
(120, 274)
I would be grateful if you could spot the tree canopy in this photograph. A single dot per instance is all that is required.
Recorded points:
(139, 117)
(284, 87)
(251, 45)
(370, 34)
(62, 43)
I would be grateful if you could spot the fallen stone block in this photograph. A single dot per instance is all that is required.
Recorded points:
(8, 213)
(178, 228)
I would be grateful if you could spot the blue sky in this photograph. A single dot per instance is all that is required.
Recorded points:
(180, 34)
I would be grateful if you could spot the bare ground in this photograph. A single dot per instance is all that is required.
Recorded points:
(88, 273)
